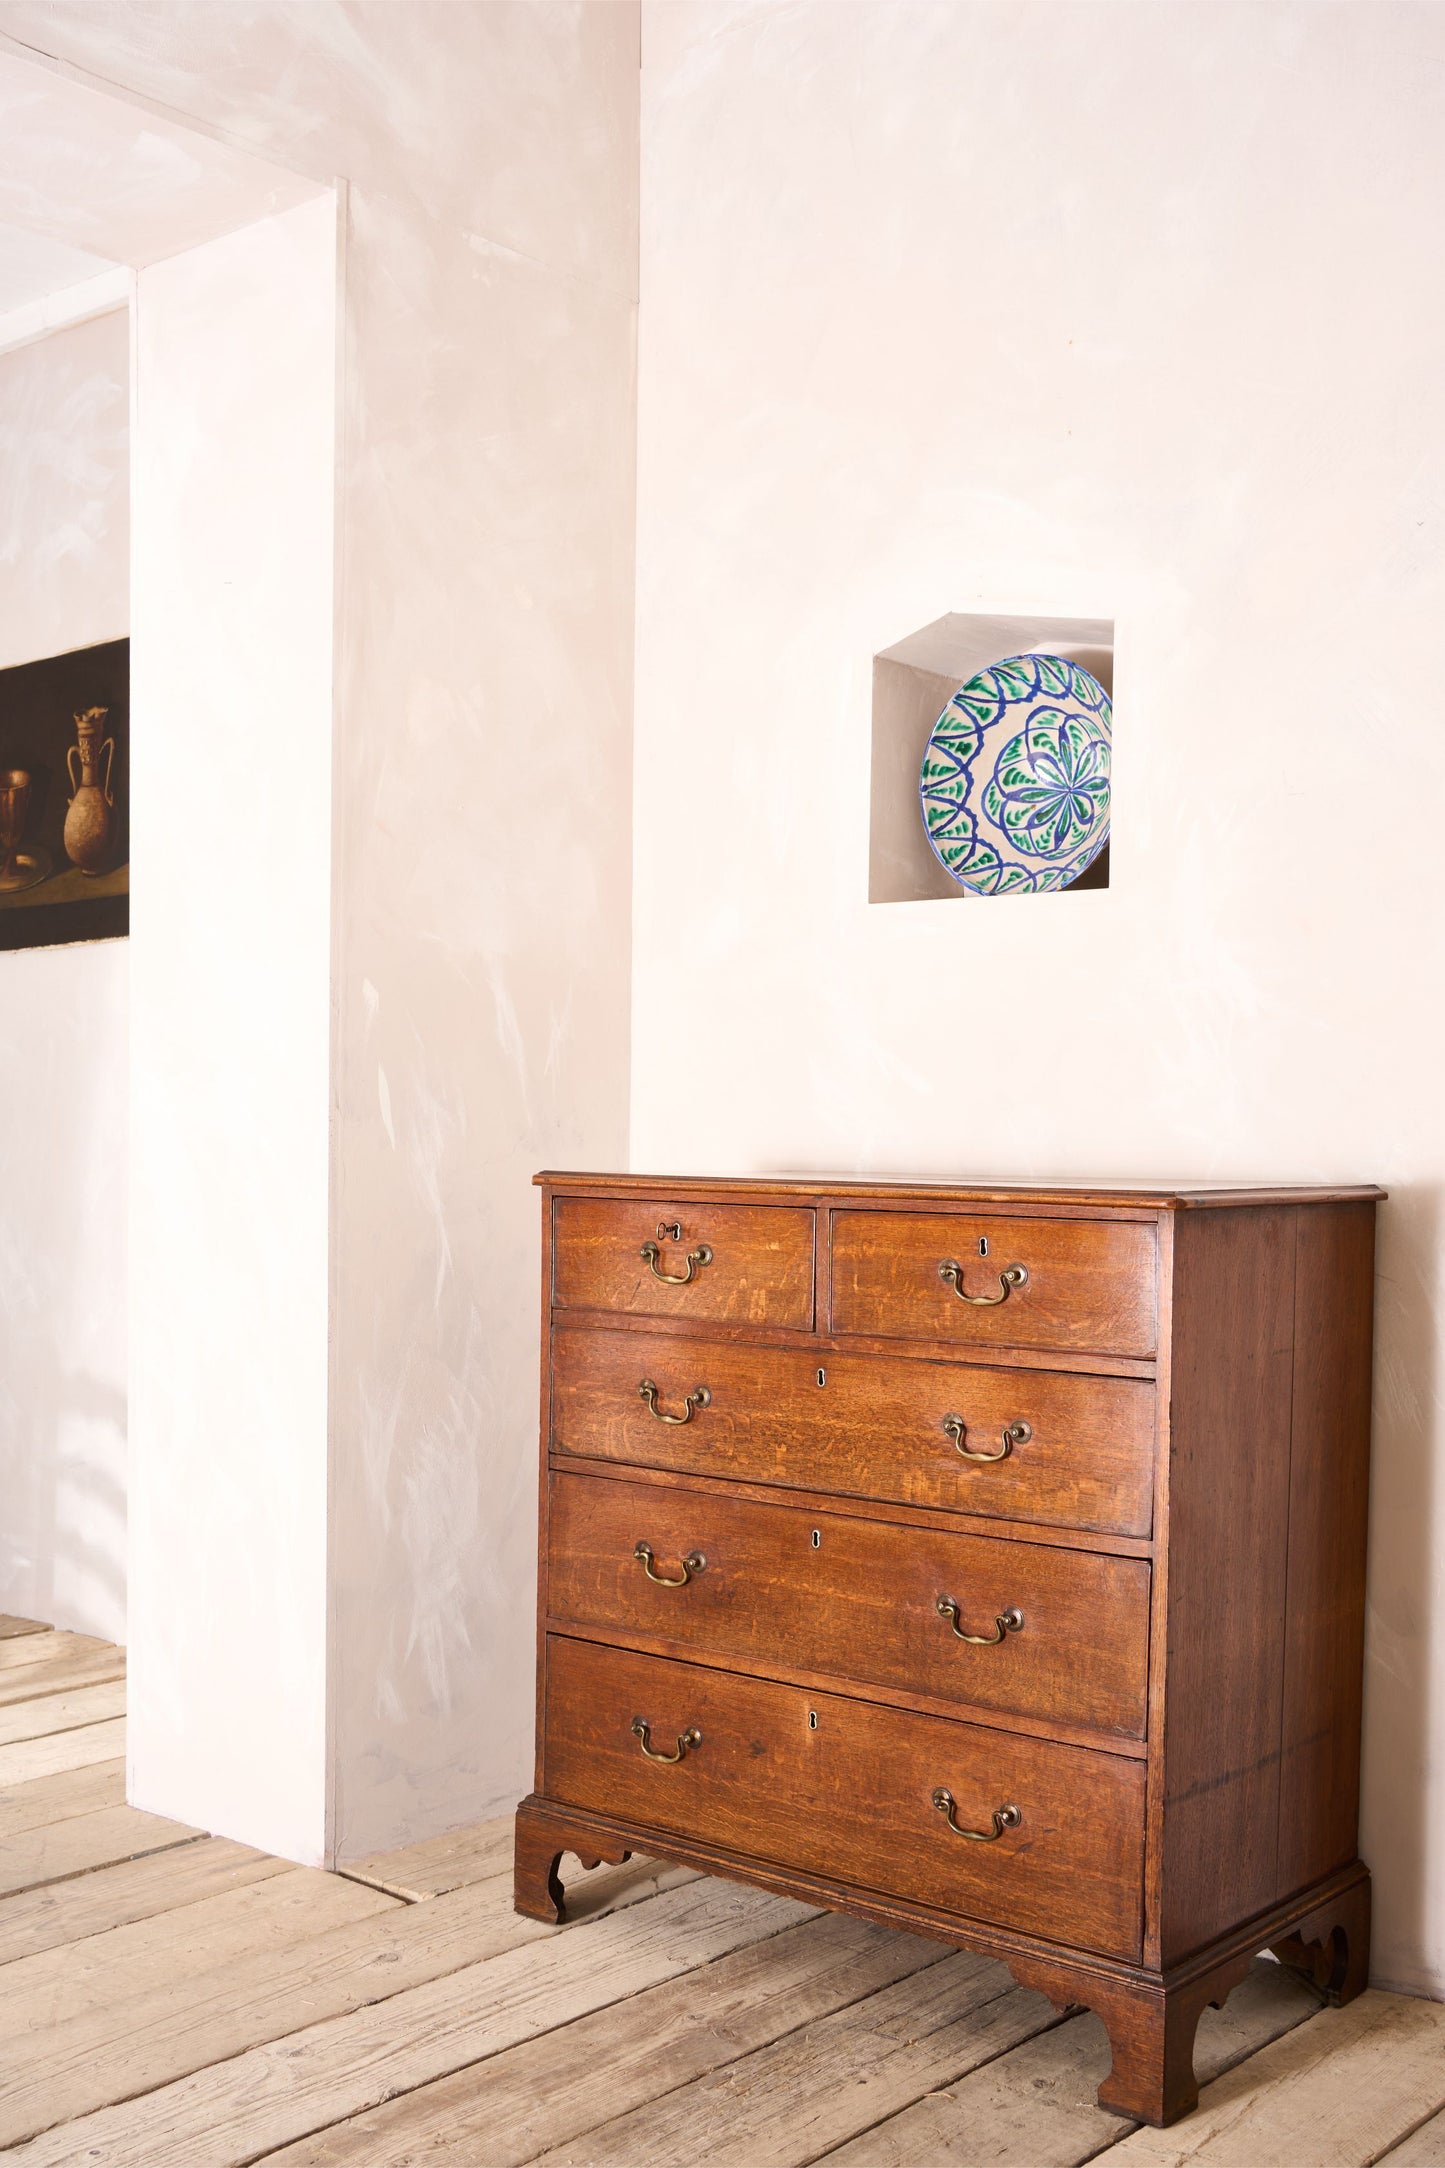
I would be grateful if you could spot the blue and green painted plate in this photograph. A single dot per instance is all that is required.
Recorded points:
(1015, 778)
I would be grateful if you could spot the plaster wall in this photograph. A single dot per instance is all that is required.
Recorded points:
(1094, 311)
(232, 677)
(481, 873)
(64, 580)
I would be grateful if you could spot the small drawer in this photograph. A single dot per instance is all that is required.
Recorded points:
(1049, 1446)
(1081, 1286)
(740, 1264)
(854, 1791)
(1058, 1635)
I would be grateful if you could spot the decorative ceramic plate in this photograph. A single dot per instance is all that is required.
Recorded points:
(1015, 778)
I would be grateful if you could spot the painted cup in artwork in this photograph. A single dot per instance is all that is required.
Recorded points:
(14, 807)
(89, 818)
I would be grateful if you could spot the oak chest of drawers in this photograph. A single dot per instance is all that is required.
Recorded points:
(988, 1562)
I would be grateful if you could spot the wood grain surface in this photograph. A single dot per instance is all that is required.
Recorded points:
(1228, 1545)
(874, 1428)
(760, 1270)
(852, 1797)
(1090, 1283)
(858, 1599)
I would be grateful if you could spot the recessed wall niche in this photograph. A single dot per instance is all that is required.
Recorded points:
(913, 683)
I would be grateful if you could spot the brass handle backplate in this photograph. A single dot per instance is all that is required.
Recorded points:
(1006, 1622)
(1015, 1434)
(641, 1730)
(1003, 1818)
(699, 1397)
(693, 1563)
(696, 1259)
(1012, 1276)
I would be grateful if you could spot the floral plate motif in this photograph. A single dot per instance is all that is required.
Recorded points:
(1015, 778)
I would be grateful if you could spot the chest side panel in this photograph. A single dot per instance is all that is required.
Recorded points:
(1228, 1536)
(1329, 1502)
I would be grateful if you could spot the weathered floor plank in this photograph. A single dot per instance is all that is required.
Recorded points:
(1424, 2148)
(120, 1967)
(61, 1849)
(797, 2099)
(1036, 2107)
(26, 1759)
(234, 2111)
(441, 1863)
(203, 2006)
(42, 1919)
(563, 2083)
(58, 1675)
(1356, 2080)
(61, 1797)
(180, 2028)
(45, 1644)
(61, 1712)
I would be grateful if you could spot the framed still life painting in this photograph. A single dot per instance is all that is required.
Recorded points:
(65, 798)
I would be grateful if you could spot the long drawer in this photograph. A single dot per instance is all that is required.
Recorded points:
(744, 1264)
(1059, 1635)
(854, 1791)
(1047, 1446)
(1076, 1285)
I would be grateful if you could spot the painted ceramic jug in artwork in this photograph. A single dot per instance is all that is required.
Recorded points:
(90, 819)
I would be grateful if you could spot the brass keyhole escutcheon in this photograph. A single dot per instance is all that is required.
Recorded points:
(816, 1539)
(822, 1377)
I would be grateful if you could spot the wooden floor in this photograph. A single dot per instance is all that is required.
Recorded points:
(172, 2000)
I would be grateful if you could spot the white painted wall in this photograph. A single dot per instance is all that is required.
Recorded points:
(482, 846)
(232, 649)
(64, 479)
(1096, 310)
(84, 167)
(64, 578)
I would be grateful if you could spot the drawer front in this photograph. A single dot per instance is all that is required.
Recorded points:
(1087, 1285)
(876, 1427)
(741, 1264)
(851, 1794)
(1060, 1635)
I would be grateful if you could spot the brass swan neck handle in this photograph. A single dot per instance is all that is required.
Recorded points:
(1012, 1276)
(696, 1259)
(699, 1397)
(1003, 1818)
(694, 1562)
(686, 1741)
(1015, 1434)
(1006, 1622)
